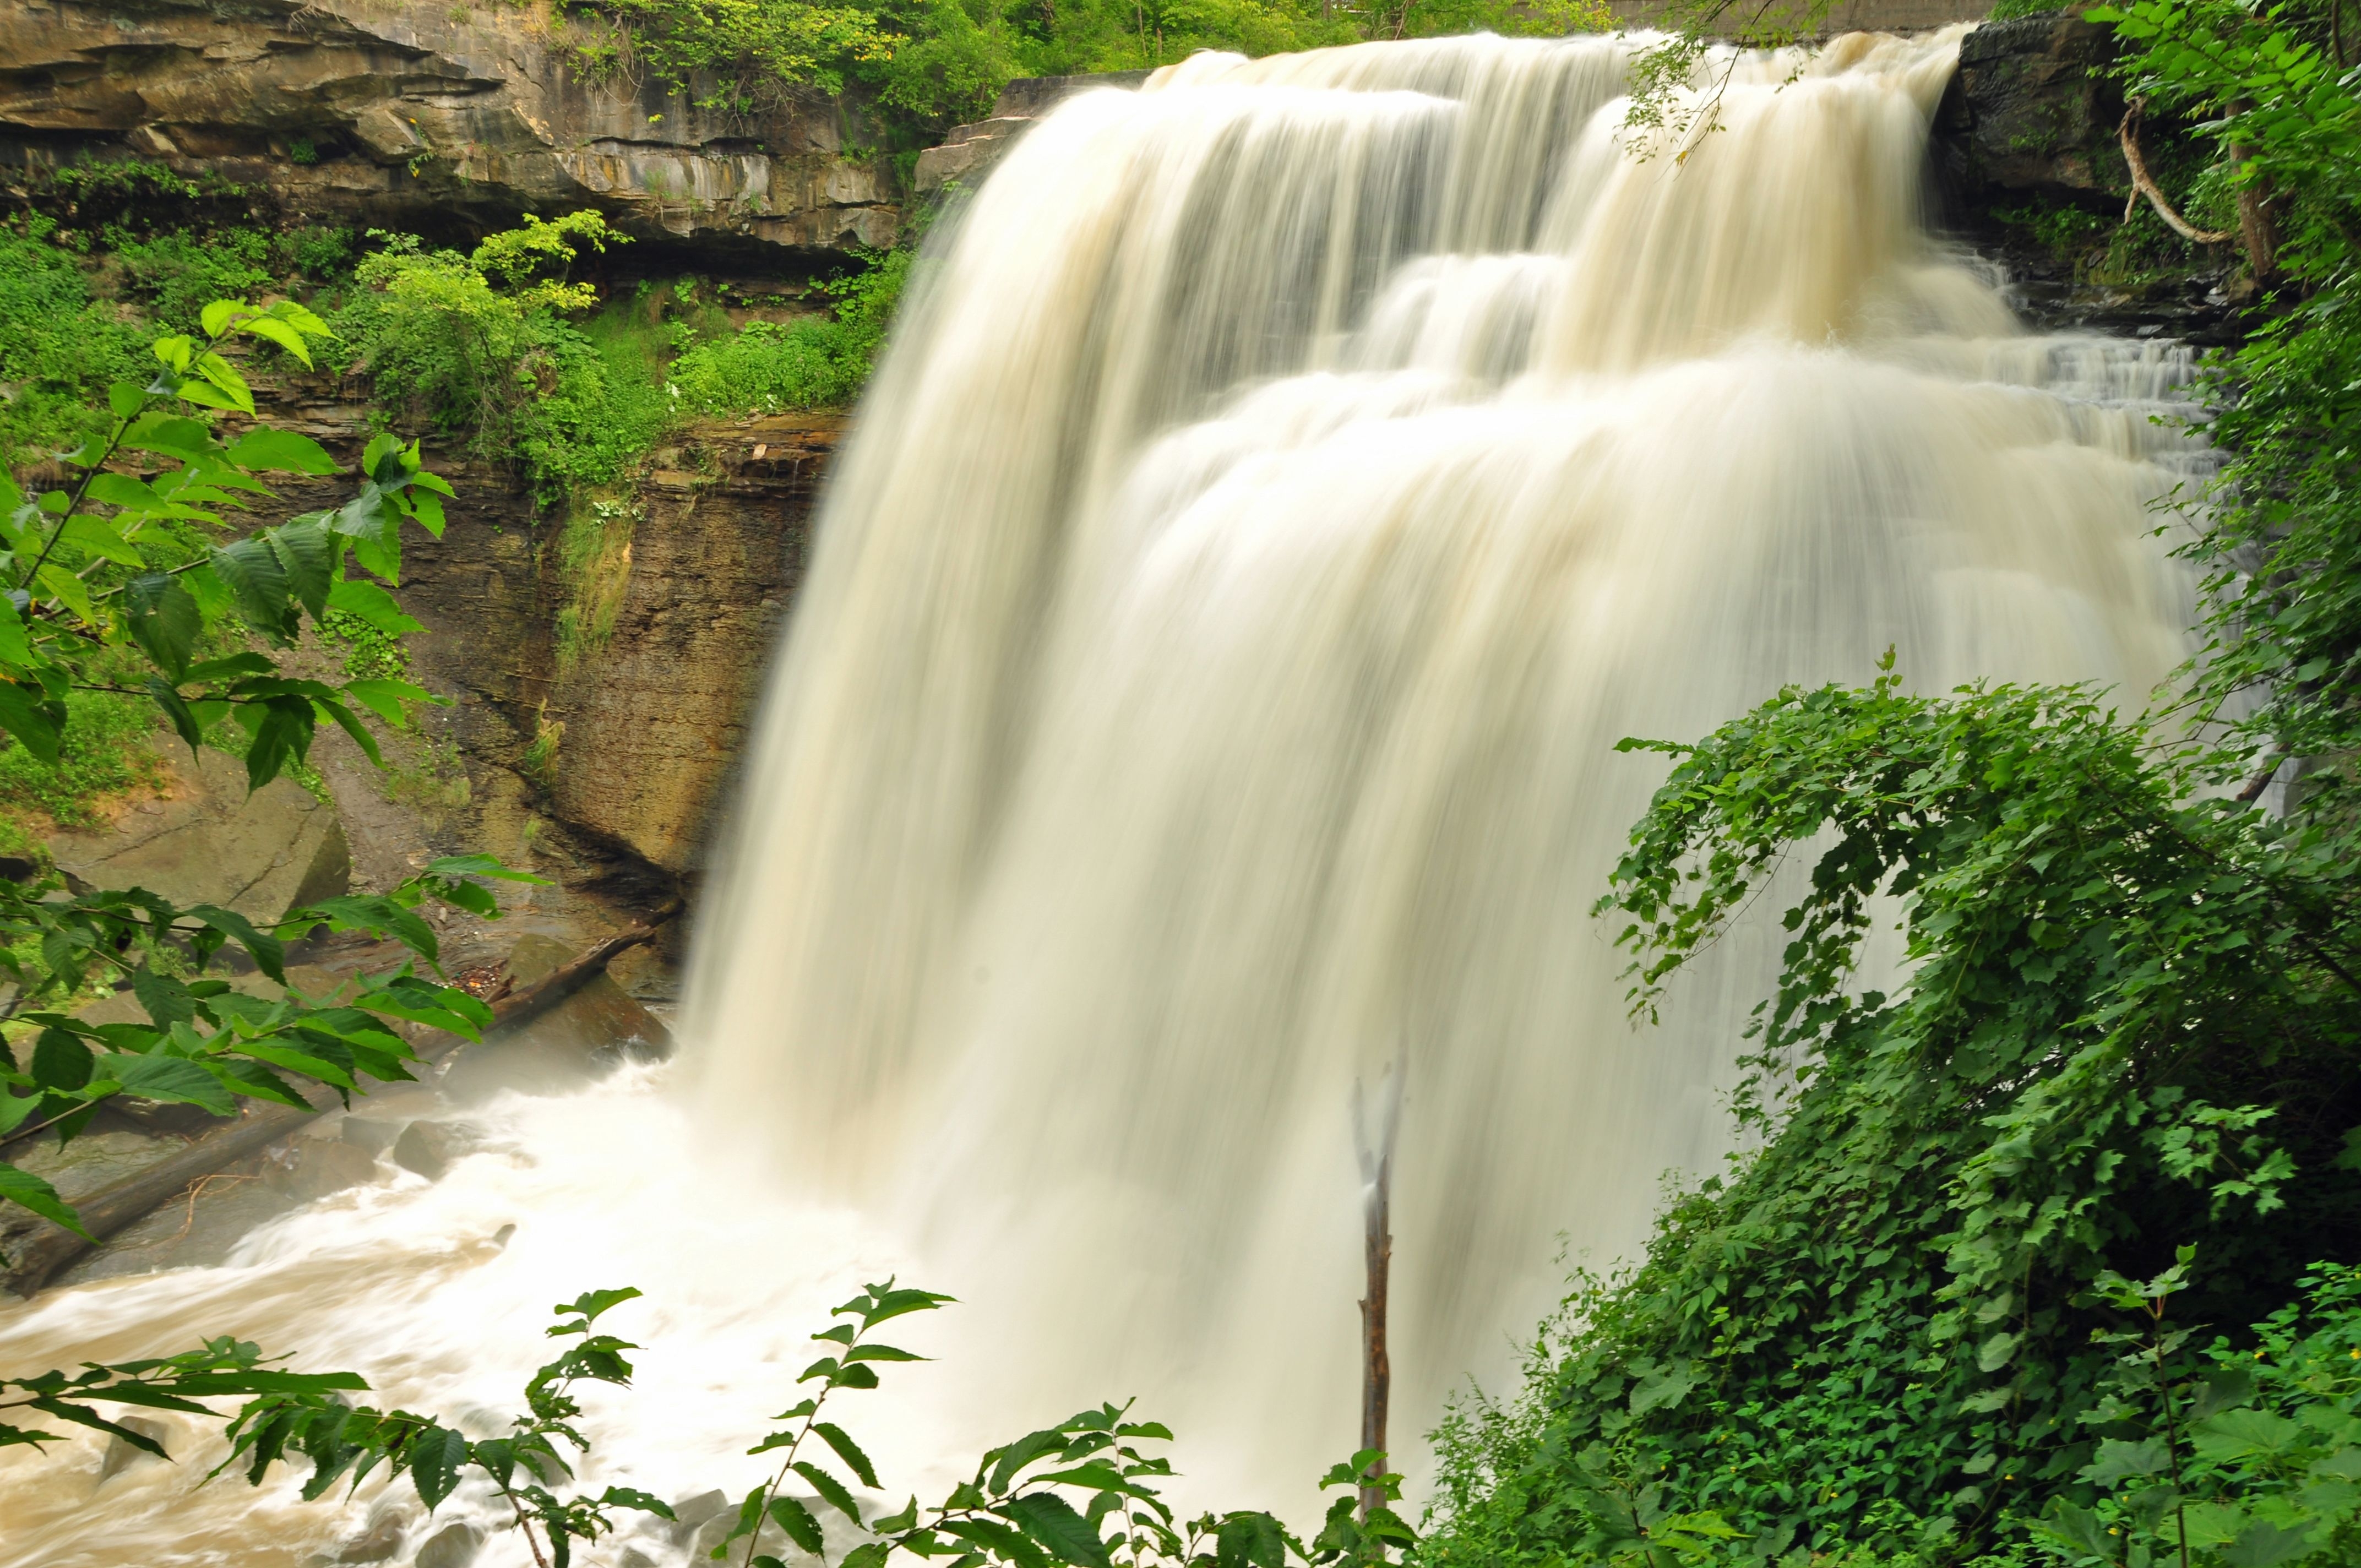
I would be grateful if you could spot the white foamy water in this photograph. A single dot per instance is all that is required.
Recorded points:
(1288, 483)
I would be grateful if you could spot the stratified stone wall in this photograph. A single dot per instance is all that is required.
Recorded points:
(418, 113)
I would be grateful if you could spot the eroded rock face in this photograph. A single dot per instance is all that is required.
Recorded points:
(418, 113)
(642, 724)
(2033, 110)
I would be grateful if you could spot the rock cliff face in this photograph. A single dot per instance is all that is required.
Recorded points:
(2030, 124)
(597, 711)
(418, 113)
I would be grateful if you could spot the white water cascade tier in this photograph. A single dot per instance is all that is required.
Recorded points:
(1285, 486)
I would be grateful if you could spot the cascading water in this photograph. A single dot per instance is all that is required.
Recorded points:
(1289, 482)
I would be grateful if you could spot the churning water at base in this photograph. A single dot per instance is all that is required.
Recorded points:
(1286, 485)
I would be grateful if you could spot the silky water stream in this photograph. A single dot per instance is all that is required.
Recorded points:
(1286, 483)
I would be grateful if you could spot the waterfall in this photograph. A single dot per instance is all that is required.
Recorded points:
(1294, 479)
(1288, 482)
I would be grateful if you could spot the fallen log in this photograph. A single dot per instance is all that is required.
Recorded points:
(111, 1207)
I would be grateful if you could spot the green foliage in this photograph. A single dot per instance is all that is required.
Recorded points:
(103, 751)
(479, 345)
(311, 251)
(177, 274)
(931, 62)
(57, 348)
(818, 362)
(105, 594)
(2130, 1023)
(2247, 1458)
(1082, 1493)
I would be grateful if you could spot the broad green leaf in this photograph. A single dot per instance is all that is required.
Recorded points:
(386, 698)
(125, 399)
(34, 718)
(436, 1458)
(163, 618)
(175, 436)
(27, 1190)
(2263, 1544)
(1005, 1541)
(282, 737)
(1051, 1521)
(2237, 1434)
(225, 376)
(16, 647)
(1024, 1452)
(68, 590)
(176, 1080)
(281, 451)
(216, 317)
(351, 726)
(279, 333)
(372, 604)
(253, 572)
(167, 1000)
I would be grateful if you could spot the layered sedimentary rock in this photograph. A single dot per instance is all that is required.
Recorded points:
(407, 113)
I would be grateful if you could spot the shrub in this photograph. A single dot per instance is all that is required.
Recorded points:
(57, 346)
(819, 362)
(177, 274)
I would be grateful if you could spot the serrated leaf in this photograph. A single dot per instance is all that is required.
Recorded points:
(830, 1489)
(252, 570)
(163, 619)
(436, 1459)
(307, 558)
(373, 605)
(175, 1079)
(34, 718)
(837, 1438)
(797, 1520)
(1051, 1521)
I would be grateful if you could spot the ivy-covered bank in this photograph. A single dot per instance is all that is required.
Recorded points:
(2054, 1254)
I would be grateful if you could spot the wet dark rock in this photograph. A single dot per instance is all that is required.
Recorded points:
(379, 1539)
(313, 1168)
(429, 1148)
(120, 1455)
(691, 1512)
(2033, 110)
(373, 1134)
(453, 1546)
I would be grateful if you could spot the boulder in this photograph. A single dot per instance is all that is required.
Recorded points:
(453, 1546)
(2032, 110)
(313, 1168)
(690, 1514)
(429, 1148)
(210, 840)
(120, 1455)
(420, 112)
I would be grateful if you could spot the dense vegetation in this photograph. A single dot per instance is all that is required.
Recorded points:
(2051, 1254)
(933, 62)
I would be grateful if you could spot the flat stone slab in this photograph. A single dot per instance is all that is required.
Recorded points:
(209, 841)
